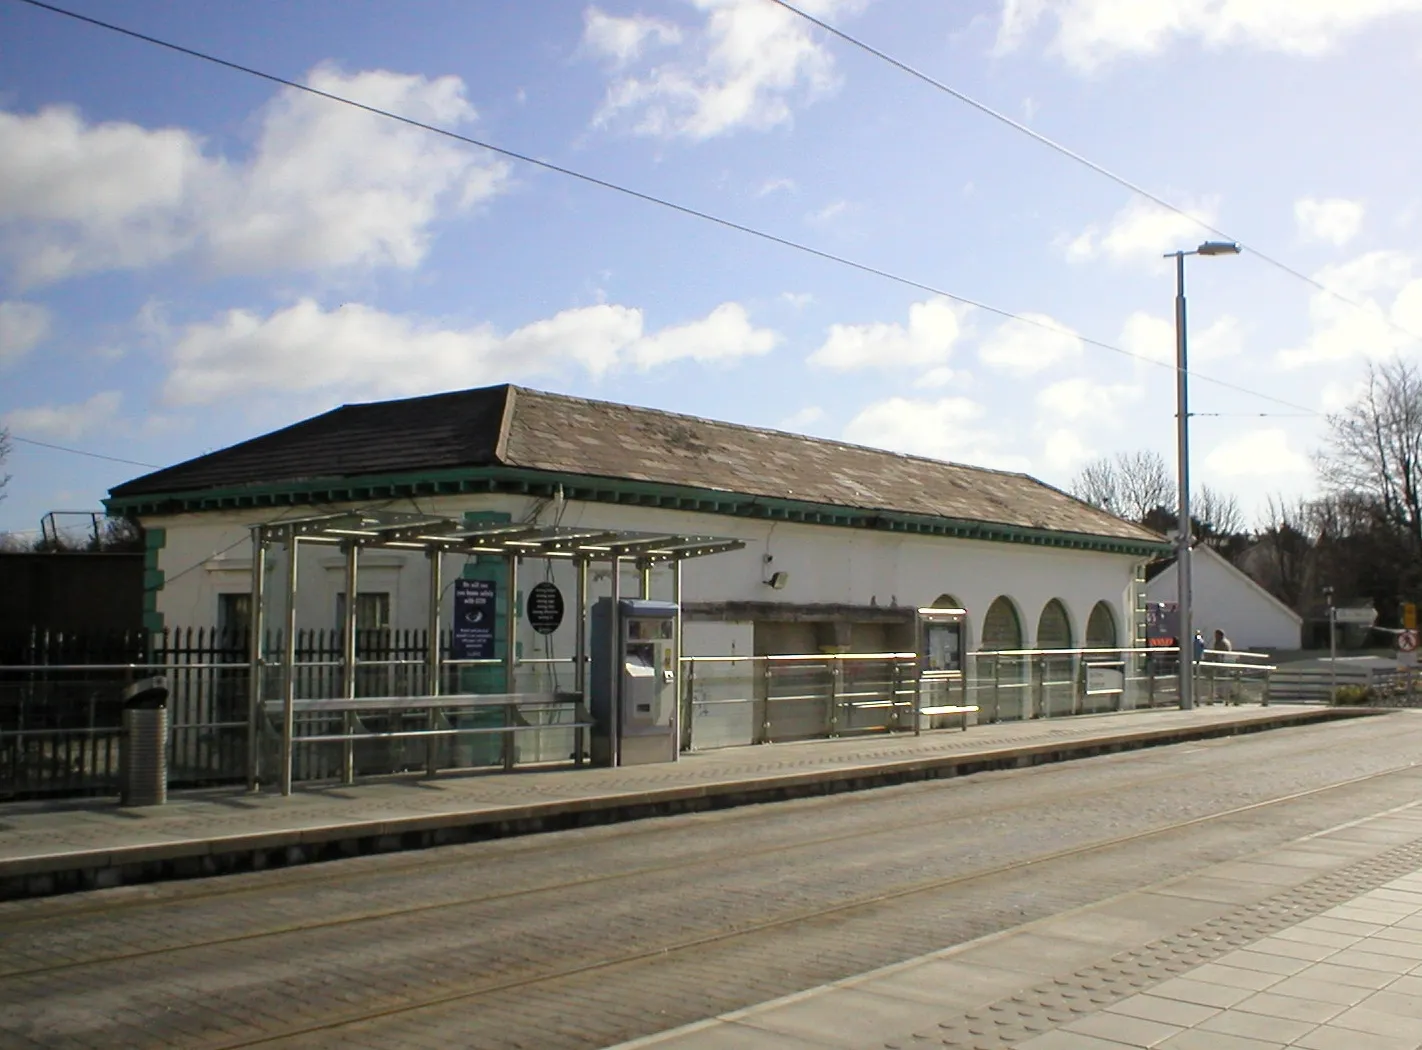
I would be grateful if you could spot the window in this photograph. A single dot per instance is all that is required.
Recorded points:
(372, 610)
(234, 613)
(1001, 629)
(1054, 626)
(1101, 628)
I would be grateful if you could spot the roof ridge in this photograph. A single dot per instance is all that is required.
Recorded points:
(501, 446)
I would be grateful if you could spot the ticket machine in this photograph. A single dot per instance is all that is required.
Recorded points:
(941, 658)
(633, 684)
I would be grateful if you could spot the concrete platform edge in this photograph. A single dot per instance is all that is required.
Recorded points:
(71, 871)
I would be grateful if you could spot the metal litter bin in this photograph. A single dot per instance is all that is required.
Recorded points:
(143, 746)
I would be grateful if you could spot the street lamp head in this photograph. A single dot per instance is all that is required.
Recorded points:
(1218, 248)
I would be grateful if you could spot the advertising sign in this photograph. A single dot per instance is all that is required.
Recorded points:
(475, 611)
(1162, 623)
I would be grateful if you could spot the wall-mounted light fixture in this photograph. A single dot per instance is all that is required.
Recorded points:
(777, 580)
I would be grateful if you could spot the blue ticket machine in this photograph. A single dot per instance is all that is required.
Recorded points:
(632, 686)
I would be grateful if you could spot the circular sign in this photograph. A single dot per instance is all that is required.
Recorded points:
(1407, 641)
(545, 608)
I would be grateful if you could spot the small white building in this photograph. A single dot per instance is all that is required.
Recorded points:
(842, 542)
(1225, 598)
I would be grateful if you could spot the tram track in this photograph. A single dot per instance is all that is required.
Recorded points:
(668, 951)
(431, 862)
(546, 851)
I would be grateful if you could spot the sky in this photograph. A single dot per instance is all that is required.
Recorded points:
(191, 256)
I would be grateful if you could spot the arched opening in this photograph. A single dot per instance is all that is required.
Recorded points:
(1001, 627)
(1101, 627)
(946, 601)
(1054, 626)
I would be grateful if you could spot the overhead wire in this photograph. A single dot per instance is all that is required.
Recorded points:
(645, 197)
(81, 452)
(1073, 155)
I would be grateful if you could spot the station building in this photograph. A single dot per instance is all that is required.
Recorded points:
(841, 542)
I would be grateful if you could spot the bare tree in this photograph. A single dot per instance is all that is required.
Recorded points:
(1283, 560)
(1219, 523)
(1129, 485)
(5, 447)
(1374, 450)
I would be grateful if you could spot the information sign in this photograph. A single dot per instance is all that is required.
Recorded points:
(545, 608)
(474, 615)
(1407, 641)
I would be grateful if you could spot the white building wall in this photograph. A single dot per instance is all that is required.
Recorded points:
(207, 553)
(1223, 597)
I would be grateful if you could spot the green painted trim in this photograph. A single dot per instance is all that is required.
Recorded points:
(153, 579)
(519, 481)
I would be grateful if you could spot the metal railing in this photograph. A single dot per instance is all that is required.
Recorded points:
(60, 723)
(734, 700)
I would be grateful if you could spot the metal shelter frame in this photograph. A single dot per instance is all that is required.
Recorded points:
(436, 537)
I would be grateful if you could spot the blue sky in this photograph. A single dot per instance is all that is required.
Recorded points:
(190, 256)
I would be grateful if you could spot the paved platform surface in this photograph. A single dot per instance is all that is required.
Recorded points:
(60, 846)
(1316, 945)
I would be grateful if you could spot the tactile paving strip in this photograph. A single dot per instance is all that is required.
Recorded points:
(1060, 1001)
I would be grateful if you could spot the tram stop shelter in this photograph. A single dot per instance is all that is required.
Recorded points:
(437, 538)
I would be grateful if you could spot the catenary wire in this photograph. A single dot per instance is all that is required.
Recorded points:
(1084, 161)
(81, 452)
(648, 198)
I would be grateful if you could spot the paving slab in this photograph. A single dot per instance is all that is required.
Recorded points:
(1293, 968)
(54, 847)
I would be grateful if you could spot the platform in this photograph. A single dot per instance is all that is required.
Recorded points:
(64, 846)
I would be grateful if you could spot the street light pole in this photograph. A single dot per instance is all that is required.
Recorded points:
(1184, 610)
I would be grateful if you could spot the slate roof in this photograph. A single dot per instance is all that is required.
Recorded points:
(513, 426)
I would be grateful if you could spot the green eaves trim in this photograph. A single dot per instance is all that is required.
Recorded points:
(587, 488)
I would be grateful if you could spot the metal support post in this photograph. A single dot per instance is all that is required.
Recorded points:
(690, 723)
(1185, 626)
(256, 627)
(288, 658)
(348, 660)
(434, 667)
(765, 710)
(644, 568)
(580, 657)
(614, 640)
(1332, 647)
(510, 659)
(676, 655)
(832, 729)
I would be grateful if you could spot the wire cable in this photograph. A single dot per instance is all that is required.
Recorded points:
(82, 452)
(1072, 155)
(648, 198)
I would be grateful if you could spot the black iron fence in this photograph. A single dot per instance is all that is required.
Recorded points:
(61, 712)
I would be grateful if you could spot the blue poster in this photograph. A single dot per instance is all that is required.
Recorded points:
(474, 614)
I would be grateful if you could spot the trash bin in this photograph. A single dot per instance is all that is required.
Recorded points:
(143, 746)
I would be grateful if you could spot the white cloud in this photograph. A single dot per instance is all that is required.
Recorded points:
(622, 39)
(934, 326)
(1090, 33)
(1341, 330)
(1023, 347)
(1153, 338)
(66, 422)
(799, 300)
(936, 377)
(828, 213)
(326, 185)
(742, 68)
(949, 428)
(1063, 449)
(23, 326)
(798, 421)
(770, 186)
(359, 350)
(1078, 399)
(1256, 453)
(1141, 230)
(1335, 220)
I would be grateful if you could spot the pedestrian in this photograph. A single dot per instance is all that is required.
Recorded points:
(1223, 644)
(1199, 646)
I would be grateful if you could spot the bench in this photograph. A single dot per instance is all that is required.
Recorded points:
(965, 711)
